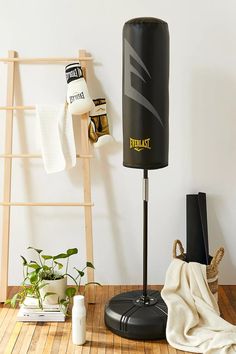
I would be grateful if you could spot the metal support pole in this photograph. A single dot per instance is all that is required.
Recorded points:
(145, 232)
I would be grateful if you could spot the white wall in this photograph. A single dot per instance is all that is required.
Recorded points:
(202, 133)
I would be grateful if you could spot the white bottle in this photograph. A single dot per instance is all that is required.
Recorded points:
(78, 320)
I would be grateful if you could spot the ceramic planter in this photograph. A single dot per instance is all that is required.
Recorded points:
(58, 287)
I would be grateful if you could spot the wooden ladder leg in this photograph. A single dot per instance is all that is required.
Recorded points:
(85, 150)
(7, 180)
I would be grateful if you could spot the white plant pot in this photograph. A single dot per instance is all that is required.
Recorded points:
(58, 287)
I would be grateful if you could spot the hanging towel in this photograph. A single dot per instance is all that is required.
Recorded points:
(57, 137)
(194, 323)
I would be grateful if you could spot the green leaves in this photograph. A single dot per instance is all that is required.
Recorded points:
(48, 268)
(8, 302)
(72, 251)
(70, 292)
(24, 261)
(33, 277)
(35, 249)
(80, 272)
(90, 265)
(64, 305)
(44, 256)
(60, 255)
(60, 265)
(34, 265)
(14, 300)
(68, 253)
(64, 302)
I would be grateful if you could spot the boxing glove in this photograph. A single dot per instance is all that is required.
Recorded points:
(78, 98)
(99, 132)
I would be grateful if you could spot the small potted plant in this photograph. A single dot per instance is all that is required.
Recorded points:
(46, 280)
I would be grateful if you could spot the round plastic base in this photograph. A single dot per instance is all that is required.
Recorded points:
(130, 316)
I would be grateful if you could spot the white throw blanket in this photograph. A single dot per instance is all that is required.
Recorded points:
(194, 323)
(57, 137)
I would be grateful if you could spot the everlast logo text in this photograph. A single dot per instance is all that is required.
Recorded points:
(78, 96)
(75, 73)
(139, 145)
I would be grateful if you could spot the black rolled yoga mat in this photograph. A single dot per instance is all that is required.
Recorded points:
(197, 233)
(145, 93)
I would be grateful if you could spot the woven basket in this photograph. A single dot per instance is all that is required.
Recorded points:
(211, 269)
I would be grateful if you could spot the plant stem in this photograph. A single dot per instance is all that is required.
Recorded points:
(67, 262)
(71, 278)
(40, 260)
(79, 284)
(24, 272)
(53, 266)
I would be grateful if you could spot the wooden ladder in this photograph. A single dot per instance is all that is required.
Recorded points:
(8, 155)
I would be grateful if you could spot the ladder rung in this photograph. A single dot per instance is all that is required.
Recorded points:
(17, 108)
(36, 156)
(45, 204)
(44, 60)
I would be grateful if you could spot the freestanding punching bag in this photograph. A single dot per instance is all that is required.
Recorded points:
(142, 314)
(145, 93)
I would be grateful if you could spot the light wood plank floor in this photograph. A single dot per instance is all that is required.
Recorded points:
(45, 338)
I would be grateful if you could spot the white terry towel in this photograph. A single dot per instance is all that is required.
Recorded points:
(57, 137)
(194, 323)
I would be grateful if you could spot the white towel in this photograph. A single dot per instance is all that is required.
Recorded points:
(57, 137)
(194, 323)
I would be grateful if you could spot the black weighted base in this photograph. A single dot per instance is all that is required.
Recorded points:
(129, 316)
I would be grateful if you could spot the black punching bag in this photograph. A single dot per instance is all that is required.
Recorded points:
(145, 93)
(142, 314)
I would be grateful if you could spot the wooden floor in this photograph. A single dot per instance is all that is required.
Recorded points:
(42, 338)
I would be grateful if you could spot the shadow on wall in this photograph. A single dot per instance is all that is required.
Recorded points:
(101, 170)
(227, 267)
(25, 162)
(102, 173)
(213, 156)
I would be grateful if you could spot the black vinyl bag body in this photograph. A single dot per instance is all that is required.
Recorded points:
(145, 93)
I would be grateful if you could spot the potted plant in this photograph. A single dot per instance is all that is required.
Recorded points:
(46, 279)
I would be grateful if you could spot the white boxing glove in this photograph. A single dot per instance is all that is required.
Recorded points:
(78, 98)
